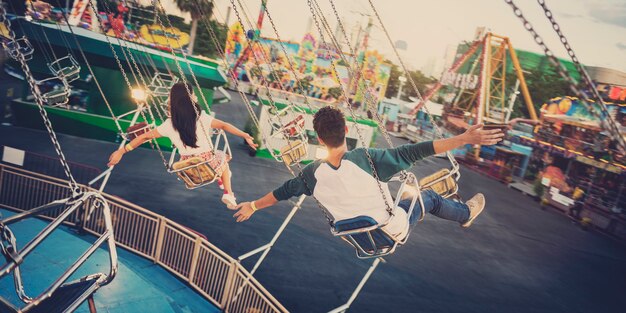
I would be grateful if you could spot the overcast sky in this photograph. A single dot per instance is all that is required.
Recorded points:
(596, 29)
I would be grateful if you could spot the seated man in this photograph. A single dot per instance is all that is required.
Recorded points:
(344, 182)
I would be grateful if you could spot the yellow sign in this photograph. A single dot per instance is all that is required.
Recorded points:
(169, 36)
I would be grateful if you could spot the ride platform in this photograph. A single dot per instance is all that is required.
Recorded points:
(140, 285)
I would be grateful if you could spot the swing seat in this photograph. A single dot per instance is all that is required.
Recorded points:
(366, 236)
(66, 67)
(195, 172)
(59, 93)
(293, 152)
(20, 46)
(161, 84)
(137, 130)
(441, 182)
(295, 127)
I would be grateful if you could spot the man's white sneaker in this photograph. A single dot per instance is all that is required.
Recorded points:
(230, 201)
(476, 205)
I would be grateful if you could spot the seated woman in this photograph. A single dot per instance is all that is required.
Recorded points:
(187, 130)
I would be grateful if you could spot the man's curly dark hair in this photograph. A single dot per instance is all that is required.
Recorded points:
(330, 126)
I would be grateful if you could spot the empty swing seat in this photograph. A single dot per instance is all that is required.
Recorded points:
(20, 46)
(368, 238)
(293, 152)
(66, 298)
(59, 91)
(66, 67)
(161, 84)
(195, 172)
(294, 127)
(441, 182)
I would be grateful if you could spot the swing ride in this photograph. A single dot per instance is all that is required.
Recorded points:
(66, 55)
(146, 77)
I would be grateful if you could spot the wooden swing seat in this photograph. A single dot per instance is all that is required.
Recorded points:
(194, 172)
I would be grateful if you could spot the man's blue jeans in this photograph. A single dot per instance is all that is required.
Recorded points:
(437, 206)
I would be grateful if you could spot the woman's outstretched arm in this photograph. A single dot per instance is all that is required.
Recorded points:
(228, 127)
(138, 141)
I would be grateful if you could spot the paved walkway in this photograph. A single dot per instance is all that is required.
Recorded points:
(515, 258)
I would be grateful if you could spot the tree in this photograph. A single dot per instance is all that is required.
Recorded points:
(542, 85)
(196, 8)
(407, 89)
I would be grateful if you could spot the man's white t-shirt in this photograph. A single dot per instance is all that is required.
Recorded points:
(204, 144)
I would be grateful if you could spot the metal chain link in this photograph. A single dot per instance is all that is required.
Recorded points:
(354, 116)
(369, 98)
(608, 121)
(73, 185)
(182, 73)
(409, 77)
(248, 106)
(125, 76)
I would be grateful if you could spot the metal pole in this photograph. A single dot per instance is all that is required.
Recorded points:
(512, 101)
(346, 306)
(266, 248)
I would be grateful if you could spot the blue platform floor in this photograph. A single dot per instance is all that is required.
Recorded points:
(140, 285)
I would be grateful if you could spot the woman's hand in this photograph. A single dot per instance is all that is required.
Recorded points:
(250, 141)
(476, 135)
(115, 157)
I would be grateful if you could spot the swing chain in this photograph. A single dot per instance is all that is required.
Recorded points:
(291, 67)
(73, 185)
(607, 122)
(7, 241)
(354, 69)
(406, 72)
(358, 130)
(272, 103)
(125, 75)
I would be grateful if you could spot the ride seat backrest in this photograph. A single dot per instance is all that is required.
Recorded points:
(443, 187)
(137, 130)
(196, 174)
(293, 152)
(381, 239)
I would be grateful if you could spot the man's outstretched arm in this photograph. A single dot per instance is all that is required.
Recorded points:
(475, 135)
(391, 161)
(297, 186)
(246, 209)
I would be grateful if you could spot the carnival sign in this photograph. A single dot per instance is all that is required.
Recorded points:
(164, 36)
(465, 81)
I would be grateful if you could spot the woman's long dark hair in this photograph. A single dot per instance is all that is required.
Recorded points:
(183, 113)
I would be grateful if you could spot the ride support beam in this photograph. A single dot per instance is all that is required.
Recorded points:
(520, 76)
(460, 62)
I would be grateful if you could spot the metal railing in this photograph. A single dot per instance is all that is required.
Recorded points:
(51, 166)
(208, 270)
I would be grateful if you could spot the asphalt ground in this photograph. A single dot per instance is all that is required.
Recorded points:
(515, 258)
